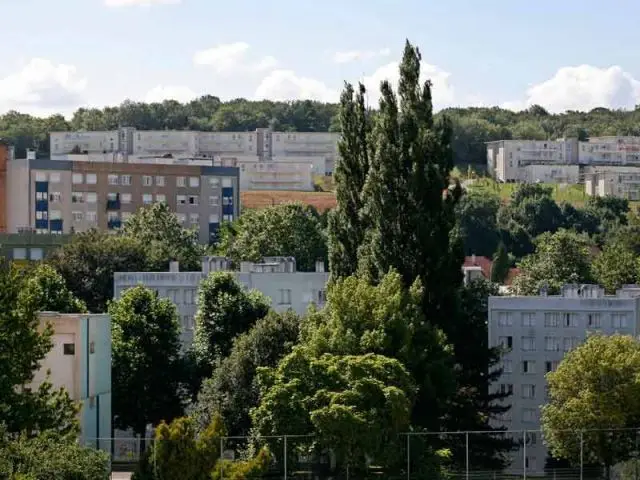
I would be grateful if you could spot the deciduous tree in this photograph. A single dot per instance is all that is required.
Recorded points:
(615, 266)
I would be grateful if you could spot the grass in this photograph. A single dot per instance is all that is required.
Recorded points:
(573, 194)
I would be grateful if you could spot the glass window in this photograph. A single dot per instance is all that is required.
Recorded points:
(214, 218)
(36, 254)
(181, 199)
(19, 253)
(227, 218)
(160, 181)
(69, 349)
(76, 178)
(227, 183)
(41, 177)
(552, 344)
(181, 217)
(125, 198)
(181, 181)
(528, 391)
(77, 197)
(113, 179)
(92, 197)
(214, 200)
(147, 180)
(147, 198)
(125, 179)
(92, 179)
(54, 177)
(528, 319)
(193, 200)
(77, 216)
(528, 366)
(214, 181)
(194, 218)
(55, 214)
(41, 196)
(528, 344)
(505, 319)
(161, 198)
(91, 216)
(55, 197)
(194, 182)
(40, 215)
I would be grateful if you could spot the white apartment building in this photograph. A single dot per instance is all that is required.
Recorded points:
(295, 157)
(536, 332)
(622, 182)
(276, 277)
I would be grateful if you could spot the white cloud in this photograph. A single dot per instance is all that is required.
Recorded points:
(285, 85)
(231, 58)
(160, 93)
(42, 87)
(355, 55)
(583, 88)
(143, 3)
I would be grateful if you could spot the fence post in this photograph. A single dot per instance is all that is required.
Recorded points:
(581, 454)
(466, 445)
(285, 457)
(408, 456)
(524, 454)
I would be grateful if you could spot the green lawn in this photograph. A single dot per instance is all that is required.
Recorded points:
(573, 194)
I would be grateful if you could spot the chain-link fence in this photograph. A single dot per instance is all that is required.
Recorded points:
(612, 454)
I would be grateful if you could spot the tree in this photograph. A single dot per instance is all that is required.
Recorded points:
(157, 228)
(45, 290)
(290, 229)
(24, 347)
(356, 405)
(596, 391)
(478, 228)
(560, 258)
(225, 310)
(346, 231)
(615, 266)
(87, 264)
(146, 362)
(231, 390)
(501, 264)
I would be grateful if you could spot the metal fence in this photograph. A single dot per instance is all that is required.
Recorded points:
(467, 455)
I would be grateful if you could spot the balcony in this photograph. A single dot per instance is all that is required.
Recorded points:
(114, 224)
(113, 203)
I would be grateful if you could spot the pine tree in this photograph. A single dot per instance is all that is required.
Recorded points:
(500, 266)
(345, 227)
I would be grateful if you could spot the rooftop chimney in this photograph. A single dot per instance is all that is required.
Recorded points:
(174, 267)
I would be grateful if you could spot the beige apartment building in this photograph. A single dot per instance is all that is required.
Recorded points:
(58, 197)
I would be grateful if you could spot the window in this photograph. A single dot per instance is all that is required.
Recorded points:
(322, 297)
(226, 183)
(161, 198)
(19, 253)
(530, 462)
(76, 178)
(147, 198)
(529, 319)
(528, 391)
(40, 215)
(41, 196)
(181, 199)
(214, 218)
(214, 182)
(507, 366)
(147, 181)
(54, 177)
(181, 181)
(570, 343)
(619, 320)
(36, 254)
(77, 197)
(91, 216)
(552, 319)
(193, 199)
(112, 216)
(285, 297)
(69, 348)
(77, 216)
(214, 200)
(194, 218)
(227, 218)
(55, 197)
(188, 322)
(594, 320)
(552, 344)
(113, 179)
(532, 438)
(550, 366)
(160, 181)
(570, 320)
(92, 179)
(506, 342)
(227, 201)
(194, 182)
(181, 217)
(528, 344)
(125, 198)
(528, 366)
(506, 388)
(125, 179)
(112, 196)
(189, 296)
(41, 177)
(92, 197)
(529, 415)
(55, 214)
(505, 319)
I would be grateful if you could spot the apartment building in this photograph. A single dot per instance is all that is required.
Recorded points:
(621, 182)
(535, 333)
(276, 277)
(6, 154)
(317, 149)
(29, 246)
(80, 361)
(65, 196)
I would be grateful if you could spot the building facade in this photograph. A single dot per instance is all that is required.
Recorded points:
(276, 277)
(535, 333)
(29, 246)
(6, 155)
(62, 197)
(621, 182)
(80, 361)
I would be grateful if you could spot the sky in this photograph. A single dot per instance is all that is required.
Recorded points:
(561, 54)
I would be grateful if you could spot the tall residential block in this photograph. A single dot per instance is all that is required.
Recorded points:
(535, 333)
(6, 154)
(59, 197)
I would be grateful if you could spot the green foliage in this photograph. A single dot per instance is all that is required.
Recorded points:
(46, 291)
(24, 347)
(87, 264)
(146, 360)
(231, 390)
(356, 405)
(595, 389)
(157, 228)
(225, 310)
(615, 266)
(560, 258)
(477, 214)
(50, 456)
(501, 264)
(245, 469)
(289, 229)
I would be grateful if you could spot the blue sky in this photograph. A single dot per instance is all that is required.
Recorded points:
(562, 54)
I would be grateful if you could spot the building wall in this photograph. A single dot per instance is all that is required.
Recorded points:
(29, 245)
(94, 142)
(550, 174)
(6, 153)
(621, 182)
(19, 200)
(540, 330)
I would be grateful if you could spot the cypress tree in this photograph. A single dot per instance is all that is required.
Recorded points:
(500, 266)
(345, 227)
